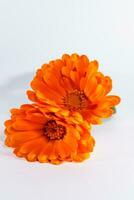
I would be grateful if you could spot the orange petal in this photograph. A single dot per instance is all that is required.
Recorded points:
(109, 101)
(103, 113)
(70, 140)
(62, 149)
(68, 84)
(90, 117)
(92, 69)
(33, 155)
(107, 84)
(31, 145)
(75, 78)
(32, 96)
(53, 83)
(18, 138)
(90, 87)
(65, 71)
(83, 82)
(98, 93)
(21, 124)
(36, 117)
(8, 122)
(81, 156)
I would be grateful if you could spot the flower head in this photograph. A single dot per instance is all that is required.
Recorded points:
(73, 85)
(38, 134)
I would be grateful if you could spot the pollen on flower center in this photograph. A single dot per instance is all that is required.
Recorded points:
(54, 131)
(75, 100)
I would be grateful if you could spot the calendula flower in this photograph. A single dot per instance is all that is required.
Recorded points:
(38, 134)
(73, 85)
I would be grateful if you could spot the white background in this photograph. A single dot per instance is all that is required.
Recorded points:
(35, 31)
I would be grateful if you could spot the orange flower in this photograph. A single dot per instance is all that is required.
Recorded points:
(74, 85)
(40, 135)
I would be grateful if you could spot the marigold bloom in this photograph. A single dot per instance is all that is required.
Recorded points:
(73, 85)
(40, 135)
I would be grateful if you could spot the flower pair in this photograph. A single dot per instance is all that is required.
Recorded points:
(68, 95)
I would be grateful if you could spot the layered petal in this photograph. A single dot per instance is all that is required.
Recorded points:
(73, 84)
(38, 134)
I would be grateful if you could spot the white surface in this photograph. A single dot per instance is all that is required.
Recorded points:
(35, 31)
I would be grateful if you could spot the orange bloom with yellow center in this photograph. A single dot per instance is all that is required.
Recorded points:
(74, 85)
(40, 135)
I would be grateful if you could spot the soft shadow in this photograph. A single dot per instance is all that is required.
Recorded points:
(13, 94)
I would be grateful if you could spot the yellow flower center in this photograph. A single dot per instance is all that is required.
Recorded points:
(75, 100)
(54, 131)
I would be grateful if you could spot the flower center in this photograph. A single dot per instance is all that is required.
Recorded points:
(54, 131)
(75, 100)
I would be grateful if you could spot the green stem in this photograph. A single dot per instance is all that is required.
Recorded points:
(114, 109)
